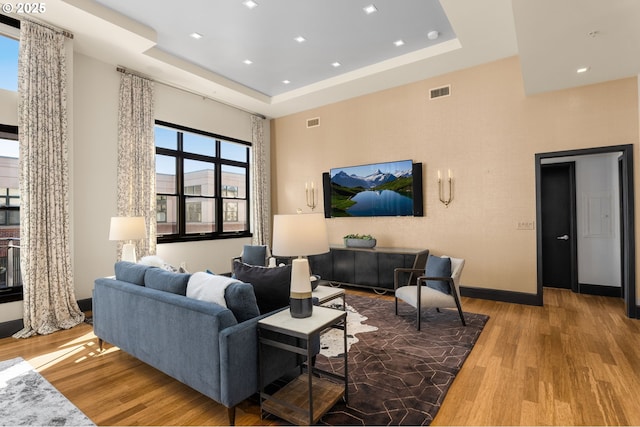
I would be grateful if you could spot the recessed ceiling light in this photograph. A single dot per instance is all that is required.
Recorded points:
(196, 36)
(432, 35)
(370, 9)
(286, 82)
(398, 43)
(250, 4)
(247, 62)
(583, 70)
(335, 64)
(300, 39)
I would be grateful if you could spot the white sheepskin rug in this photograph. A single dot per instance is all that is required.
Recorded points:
(332, 341)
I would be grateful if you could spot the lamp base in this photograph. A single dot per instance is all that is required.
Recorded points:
(129, 252)
(301, 307)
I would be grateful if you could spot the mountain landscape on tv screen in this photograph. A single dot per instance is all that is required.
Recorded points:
(385, 190)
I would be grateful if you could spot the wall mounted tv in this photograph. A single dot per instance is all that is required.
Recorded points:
(378, 189)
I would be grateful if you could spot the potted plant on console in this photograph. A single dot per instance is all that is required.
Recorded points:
(359, 241)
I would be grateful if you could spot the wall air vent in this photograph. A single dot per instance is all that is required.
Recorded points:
(439, 92)
(313, 123)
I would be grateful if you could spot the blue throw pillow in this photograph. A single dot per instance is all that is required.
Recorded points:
(130, 272)
(270, 284)
(241, 300)
(163, 280)
(254, 255)
(438, 267)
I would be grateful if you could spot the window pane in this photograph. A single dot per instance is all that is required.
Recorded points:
(14, 197)
(166, 215)
(200, 215)
(166, 138)
(233, 151)
(199, 144)
(234, 179)
(9, 63)
(14, 217)
(200, 175)
(165, 174)
(234, 215)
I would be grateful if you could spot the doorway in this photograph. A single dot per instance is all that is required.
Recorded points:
(558, 226)
(545, 173)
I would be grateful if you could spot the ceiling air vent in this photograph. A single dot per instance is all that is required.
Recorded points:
(440, 92)
(313, 123)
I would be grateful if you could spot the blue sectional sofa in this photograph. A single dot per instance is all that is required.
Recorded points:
(213, 349)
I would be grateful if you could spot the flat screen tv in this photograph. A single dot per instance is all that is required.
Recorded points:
(378, 189)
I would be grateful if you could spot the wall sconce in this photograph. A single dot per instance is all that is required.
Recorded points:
(444, 200)
(310, 194)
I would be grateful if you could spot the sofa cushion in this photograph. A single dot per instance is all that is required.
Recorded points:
(271, 285)
(438, 267)
(131, 272)
(241, 300)
(162, 280)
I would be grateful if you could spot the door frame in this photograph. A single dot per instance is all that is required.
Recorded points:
(573, 229)
(627, 218)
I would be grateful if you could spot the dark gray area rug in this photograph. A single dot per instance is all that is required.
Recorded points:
(397, 374)
(27, 398)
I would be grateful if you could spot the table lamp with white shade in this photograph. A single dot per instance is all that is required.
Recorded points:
(300, 235)
(128, 228)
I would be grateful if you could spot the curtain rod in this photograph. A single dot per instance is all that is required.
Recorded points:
(123, 70)
(65, 33)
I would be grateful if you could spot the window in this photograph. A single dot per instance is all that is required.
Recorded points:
(202, 183)
(9, 35)
(10, 277)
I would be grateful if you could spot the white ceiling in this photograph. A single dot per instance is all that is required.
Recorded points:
(552, 37)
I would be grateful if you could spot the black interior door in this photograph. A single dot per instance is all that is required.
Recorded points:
(559, 262)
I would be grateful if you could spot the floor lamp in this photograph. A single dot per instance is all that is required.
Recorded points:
(300, 235)
(128, 228)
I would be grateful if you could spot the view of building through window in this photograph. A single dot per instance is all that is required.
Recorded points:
(9, 214)
(201, 184)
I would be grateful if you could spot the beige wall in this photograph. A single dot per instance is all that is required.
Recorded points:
(487, 132)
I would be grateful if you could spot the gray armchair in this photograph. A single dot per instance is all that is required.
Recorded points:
(434, 287)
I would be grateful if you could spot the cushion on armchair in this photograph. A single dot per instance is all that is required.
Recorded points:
(254, 255)
(271, 285)
(438, 267)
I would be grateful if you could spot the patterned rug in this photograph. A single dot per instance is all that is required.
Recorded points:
(27, 398)
(397, 374)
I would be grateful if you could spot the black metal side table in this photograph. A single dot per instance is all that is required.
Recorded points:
(305, 399)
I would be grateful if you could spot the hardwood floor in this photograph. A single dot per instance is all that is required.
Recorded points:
(575, 361)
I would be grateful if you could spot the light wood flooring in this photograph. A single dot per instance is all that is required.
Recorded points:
(575, 361)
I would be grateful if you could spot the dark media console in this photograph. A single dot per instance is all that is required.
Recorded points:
(368, 268)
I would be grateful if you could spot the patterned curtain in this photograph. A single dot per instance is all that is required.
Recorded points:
(260, 197)
(136, 157)
(47, 277)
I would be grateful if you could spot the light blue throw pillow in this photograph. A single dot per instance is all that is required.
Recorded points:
(438, 267)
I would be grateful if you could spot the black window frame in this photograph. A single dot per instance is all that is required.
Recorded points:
(219, 199)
